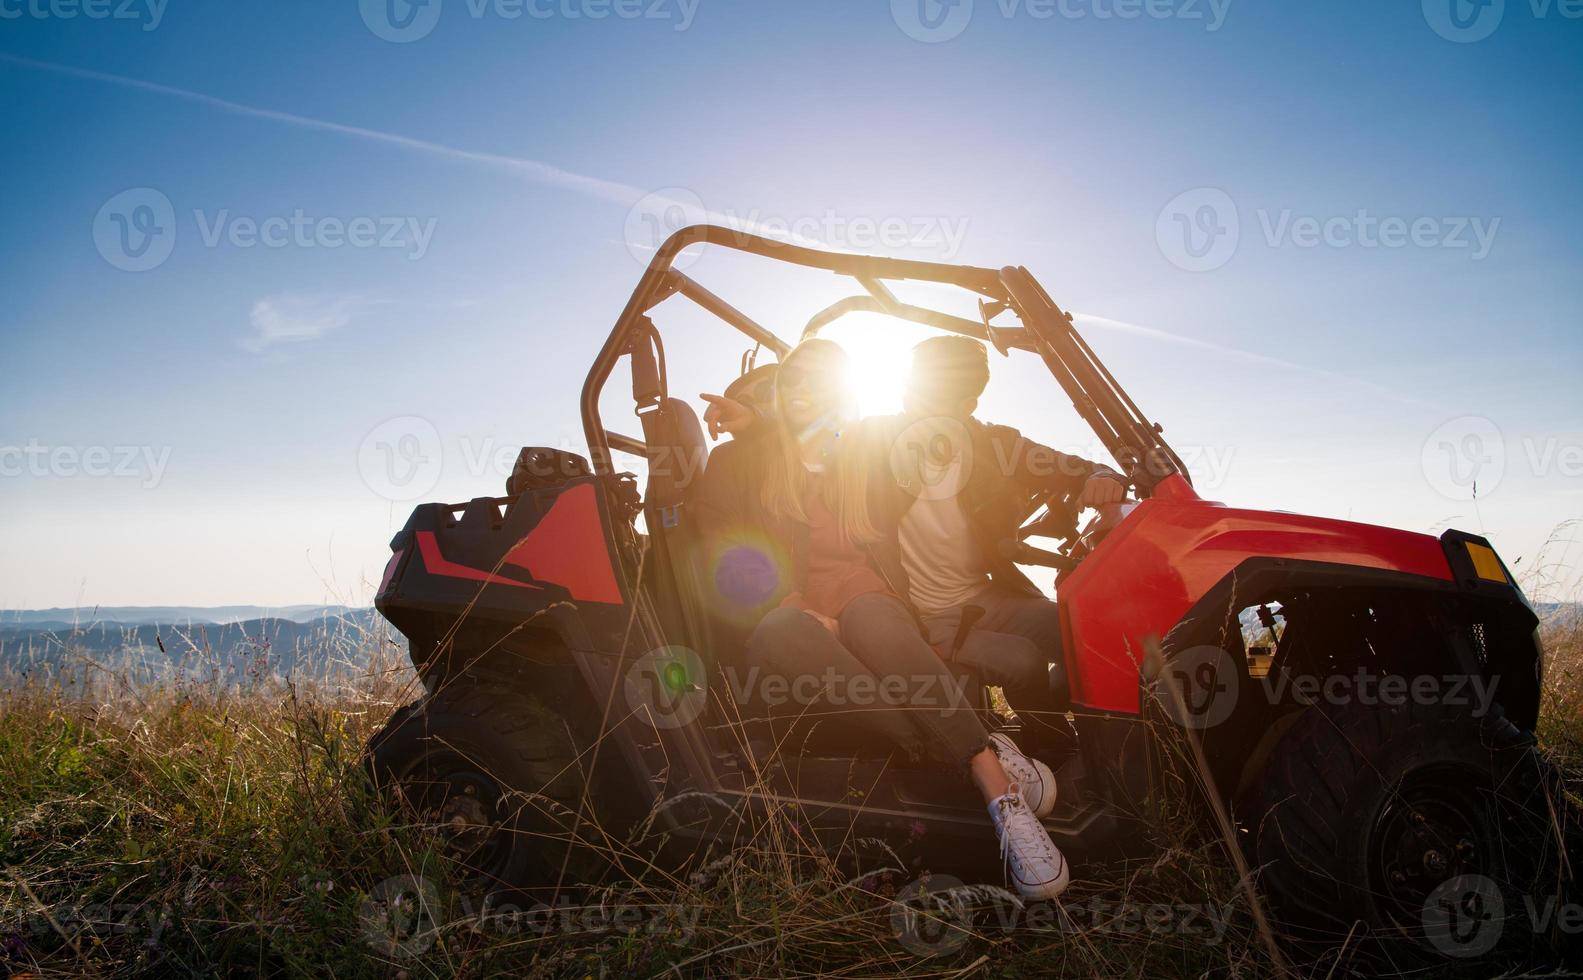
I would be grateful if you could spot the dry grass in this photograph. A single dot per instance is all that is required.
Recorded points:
(193, 830)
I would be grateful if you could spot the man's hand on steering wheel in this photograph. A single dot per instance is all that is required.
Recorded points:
(1102, 489)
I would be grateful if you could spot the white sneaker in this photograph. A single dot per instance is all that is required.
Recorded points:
(1033, 862)
(1035, 778)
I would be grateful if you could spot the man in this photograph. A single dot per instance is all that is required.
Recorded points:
(970, 484)
(955, 489)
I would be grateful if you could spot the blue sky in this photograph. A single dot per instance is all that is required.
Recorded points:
(1210, 186)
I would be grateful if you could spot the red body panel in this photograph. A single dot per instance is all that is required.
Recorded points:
(437, 564)
(566, 547)
(1149, 571)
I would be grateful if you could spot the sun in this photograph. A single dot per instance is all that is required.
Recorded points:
(881, 353)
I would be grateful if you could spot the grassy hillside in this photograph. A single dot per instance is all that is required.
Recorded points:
(191, 830)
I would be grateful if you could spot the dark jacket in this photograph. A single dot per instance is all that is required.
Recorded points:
(1004, 473)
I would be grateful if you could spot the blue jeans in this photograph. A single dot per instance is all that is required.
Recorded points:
(882, 672)
(1015, 645)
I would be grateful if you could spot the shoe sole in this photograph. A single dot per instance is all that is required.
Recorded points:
(1050, 889)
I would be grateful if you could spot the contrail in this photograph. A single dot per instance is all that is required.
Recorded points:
(615, 192)
(545, 173)
(535, 170)
(1121, 326)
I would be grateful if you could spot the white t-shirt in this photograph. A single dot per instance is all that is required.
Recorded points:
(937, 548)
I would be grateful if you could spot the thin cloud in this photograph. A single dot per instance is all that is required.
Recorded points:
(293, 319)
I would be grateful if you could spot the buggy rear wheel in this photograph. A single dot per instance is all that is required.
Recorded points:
(496, 775)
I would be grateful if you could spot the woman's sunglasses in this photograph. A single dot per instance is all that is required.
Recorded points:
(795, 376)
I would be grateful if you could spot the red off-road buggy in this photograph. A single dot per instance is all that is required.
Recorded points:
(566, 645)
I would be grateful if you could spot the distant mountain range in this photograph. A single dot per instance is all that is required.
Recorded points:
(1560, 613)
(225, 644)
(150, 615)
(235, 645)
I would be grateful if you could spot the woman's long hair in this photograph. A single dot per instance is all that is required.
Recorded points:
(845, 487)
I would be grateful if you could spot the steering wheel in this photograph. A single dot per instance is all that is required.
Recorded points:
(1055, 515)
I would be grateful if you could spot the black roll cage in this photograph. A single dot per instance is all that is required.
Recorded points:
(1135, 443)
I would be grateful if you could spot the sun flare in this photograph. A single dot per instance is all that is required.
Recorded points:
(881, 355)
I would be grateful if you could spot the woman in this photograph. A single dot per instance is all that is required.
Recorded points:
(835, 601)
